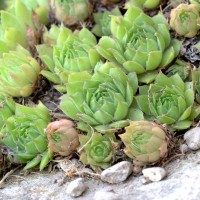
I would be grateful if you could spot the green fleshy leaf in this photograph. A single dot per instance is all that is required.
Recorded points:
(147, 77)
(154, 59)
(182, 125)
(132, 66)
(33, 163)
(142, 101)
(166, 120)
(186, 114)
(135, 115)
(46, 158)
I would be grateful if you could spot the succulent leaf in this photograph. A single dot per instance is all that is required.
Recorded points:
(41, 8)
(144, 4)
(196, 81)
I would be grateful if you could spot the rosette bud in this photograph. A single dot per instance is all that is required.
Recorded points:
(62, 137)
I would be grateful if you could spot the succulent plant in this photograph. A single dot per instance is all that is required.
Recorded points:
(140, 44)
(196, 81)
(179, 67)
(41, 8)
(170, 101)
(7, 109)
(98, 150)
(15, 23)
(19, 73)
(145, 142)
(147, 4)
(73, 52)
(25, 137)
(71, 12)
(185, 20)
(195, 2)
(102, 99)
(103, 20)
(62, 137)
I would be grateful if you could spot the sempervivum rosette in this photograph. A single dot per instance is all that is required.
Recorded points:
(73, 52)
(185, 20)
(62, 137)
(100, 99)
(24, 135)
(19, 72)
(71, 12)
(15, 23)
(98, 150)
(170, 101)
(145, 142)
(140, 43)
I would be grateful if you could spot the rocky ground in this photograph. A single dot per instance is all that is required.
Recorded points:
(182, 182)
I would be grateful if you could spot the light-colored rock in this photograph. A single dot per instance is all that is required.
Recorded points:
(117, 173)
(76, 187)
(154, 173)
(192, 138)
(106, 195)
(181, 183)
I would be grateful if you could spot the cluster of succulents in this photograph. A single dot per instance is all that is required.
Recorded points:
(122, 82)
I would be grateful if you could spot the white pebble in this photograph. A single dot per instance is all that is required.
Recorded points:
(154, 173)
(192, 138)
(117, 173)
(76, 187)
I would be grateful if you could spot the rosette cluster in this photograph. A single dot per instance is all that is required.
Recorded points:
(100, 99)
(72, 52)
(170, 101)
(139, 44)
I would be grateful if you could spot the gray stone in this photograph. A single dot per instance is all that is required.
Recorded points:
(117, 173)
(106, 195)
(181, 183)
(76, 187)
(192, 138)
